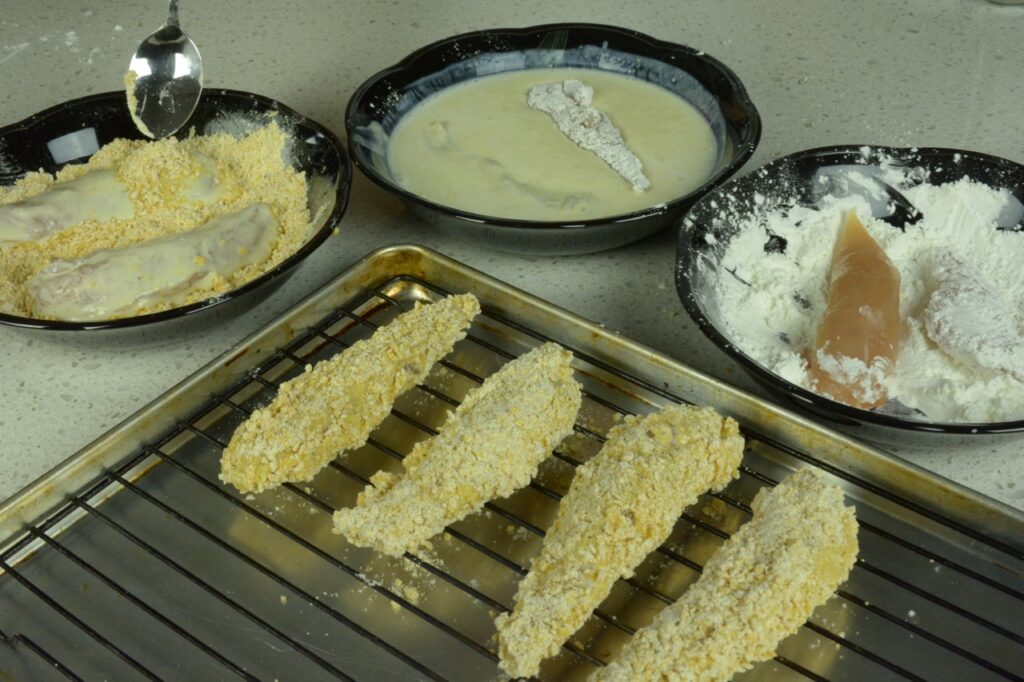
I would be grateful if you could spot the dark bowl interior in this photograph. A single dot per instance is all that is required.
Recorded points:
(714, 220)
(71, 132)
(379, 104)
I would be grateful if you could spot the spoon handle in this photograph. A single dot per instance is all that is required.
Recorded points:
(172, 13)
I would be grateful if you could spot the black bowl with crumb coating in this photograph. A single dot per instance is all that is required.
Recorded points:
(71, 132)
(379, 103)
(714, 220)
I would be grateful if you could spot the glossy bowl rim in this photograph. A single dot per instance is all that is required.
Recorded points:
(337, 213)
(743, 152)
(764, 375)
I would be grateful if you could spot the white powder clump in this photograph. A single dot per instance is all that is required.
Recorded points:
(868, 381)
(960, 362)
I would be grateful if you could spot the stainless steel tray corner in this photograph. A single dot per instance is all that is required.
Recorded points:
(131, 560)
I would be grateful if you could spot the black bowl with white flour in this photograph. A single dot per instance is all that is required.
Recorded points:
(556, 139)
(753, 263)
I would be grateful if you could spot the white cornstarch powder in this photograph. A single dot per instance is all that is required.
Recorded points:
(961, 357)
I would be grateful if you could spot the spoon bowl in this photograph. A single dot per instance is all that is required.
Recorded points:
(886, 202)
(165, 79)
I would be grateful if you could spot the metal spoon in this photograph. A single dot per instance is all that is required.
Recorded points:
(886, 202)
(165, 79)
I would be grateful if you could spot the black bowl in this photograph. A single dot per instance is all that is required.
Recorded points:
(714, 220)
(71, 132)
(378, 105)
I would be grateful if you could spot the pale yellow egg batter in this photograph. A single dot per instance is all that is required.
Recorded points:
(479, 147)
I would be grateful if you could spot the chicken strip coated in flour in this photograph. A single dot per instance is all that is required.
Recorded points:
(759, 587)
(490, 447)
(622, 505)
(335, 405)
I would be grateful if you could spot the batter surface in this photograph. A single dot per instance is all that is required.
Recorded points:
(478, 146)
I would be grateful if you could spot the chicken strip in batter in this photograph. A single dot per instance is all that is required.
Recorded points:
(335, 405)
(759, 587)
(622, 504)
(490, 447)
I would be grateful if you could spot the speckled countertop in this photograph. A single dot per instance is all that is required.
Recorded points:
(919, 72)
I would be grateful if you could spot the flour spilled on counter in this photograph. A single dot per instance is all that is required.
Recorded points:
(961, 294)
(56, 41)
(11, 51)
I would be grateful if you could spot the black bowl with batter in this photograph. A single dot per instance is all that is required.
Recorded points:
(706, 83)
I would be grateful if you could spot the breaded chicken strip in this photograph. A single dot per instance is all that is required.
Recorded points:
(759, 587)
(335, 405)
(622, 504)
(490, 447)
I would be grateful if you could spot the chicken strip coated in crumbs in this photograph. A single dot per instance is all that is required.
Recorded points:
(489, 447)
(759, 587)
(622, 504)
(335, 405)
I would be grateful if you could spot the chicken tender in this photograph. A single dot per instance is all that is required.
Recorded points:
(121, 282)
(760, 586)
(334, 406)
(94, 196)
(570, 104)
(972, 320)
(489, 447)
(621, 506)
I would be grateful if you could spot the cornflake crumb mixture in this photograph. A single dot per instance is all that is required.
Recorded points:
(248, 170)
(962, 327)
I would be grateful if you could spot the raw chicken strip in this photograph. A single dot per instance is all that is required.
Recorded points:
(759, 587)
(94, 196)
(490, 447)
(570, 105)
(971, 320)
(119, 282)
(335, 405)
(622, 505)
(858, 340)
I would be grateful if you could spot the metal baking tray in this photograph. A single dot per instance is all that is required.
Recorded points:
(131, 560)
